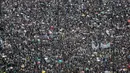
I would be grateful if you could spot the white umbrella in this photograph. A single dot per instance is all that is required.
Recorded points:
(107, 72)
(105, 45)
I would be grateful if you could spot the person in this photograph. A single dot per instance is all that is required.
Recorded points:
(1, 44)
(128, 58)
(0, 8)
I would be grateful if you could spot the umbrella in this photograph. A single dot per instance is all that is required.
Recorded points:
(105, 45)
(43, 71)
(129, 21)
(128, 56)
(60, 61)
(94, 46)
(86, 69)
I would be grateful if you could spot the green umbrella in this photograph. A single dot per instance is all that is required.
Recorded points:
(38, 40)
(33, 40)
(86, 69)
(38, 59)
(60, 61)
(102, 12)
(15, 71)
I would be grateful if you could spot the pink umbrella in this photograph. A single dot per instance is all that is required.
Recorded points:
(129, 21)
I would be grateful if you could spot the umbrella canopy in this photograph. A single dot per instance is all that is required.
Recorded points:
(60, 61)
(129, 21)
(128, 56)
(105, 45)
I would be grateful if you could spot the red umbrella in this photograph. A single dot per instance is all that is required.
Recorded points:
(129, 66)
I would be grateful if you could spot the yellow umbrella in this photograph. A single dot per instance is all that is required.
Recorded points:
(43, 71)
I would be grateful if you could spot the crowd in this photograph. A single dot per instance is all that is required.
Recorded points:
(65, 36)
